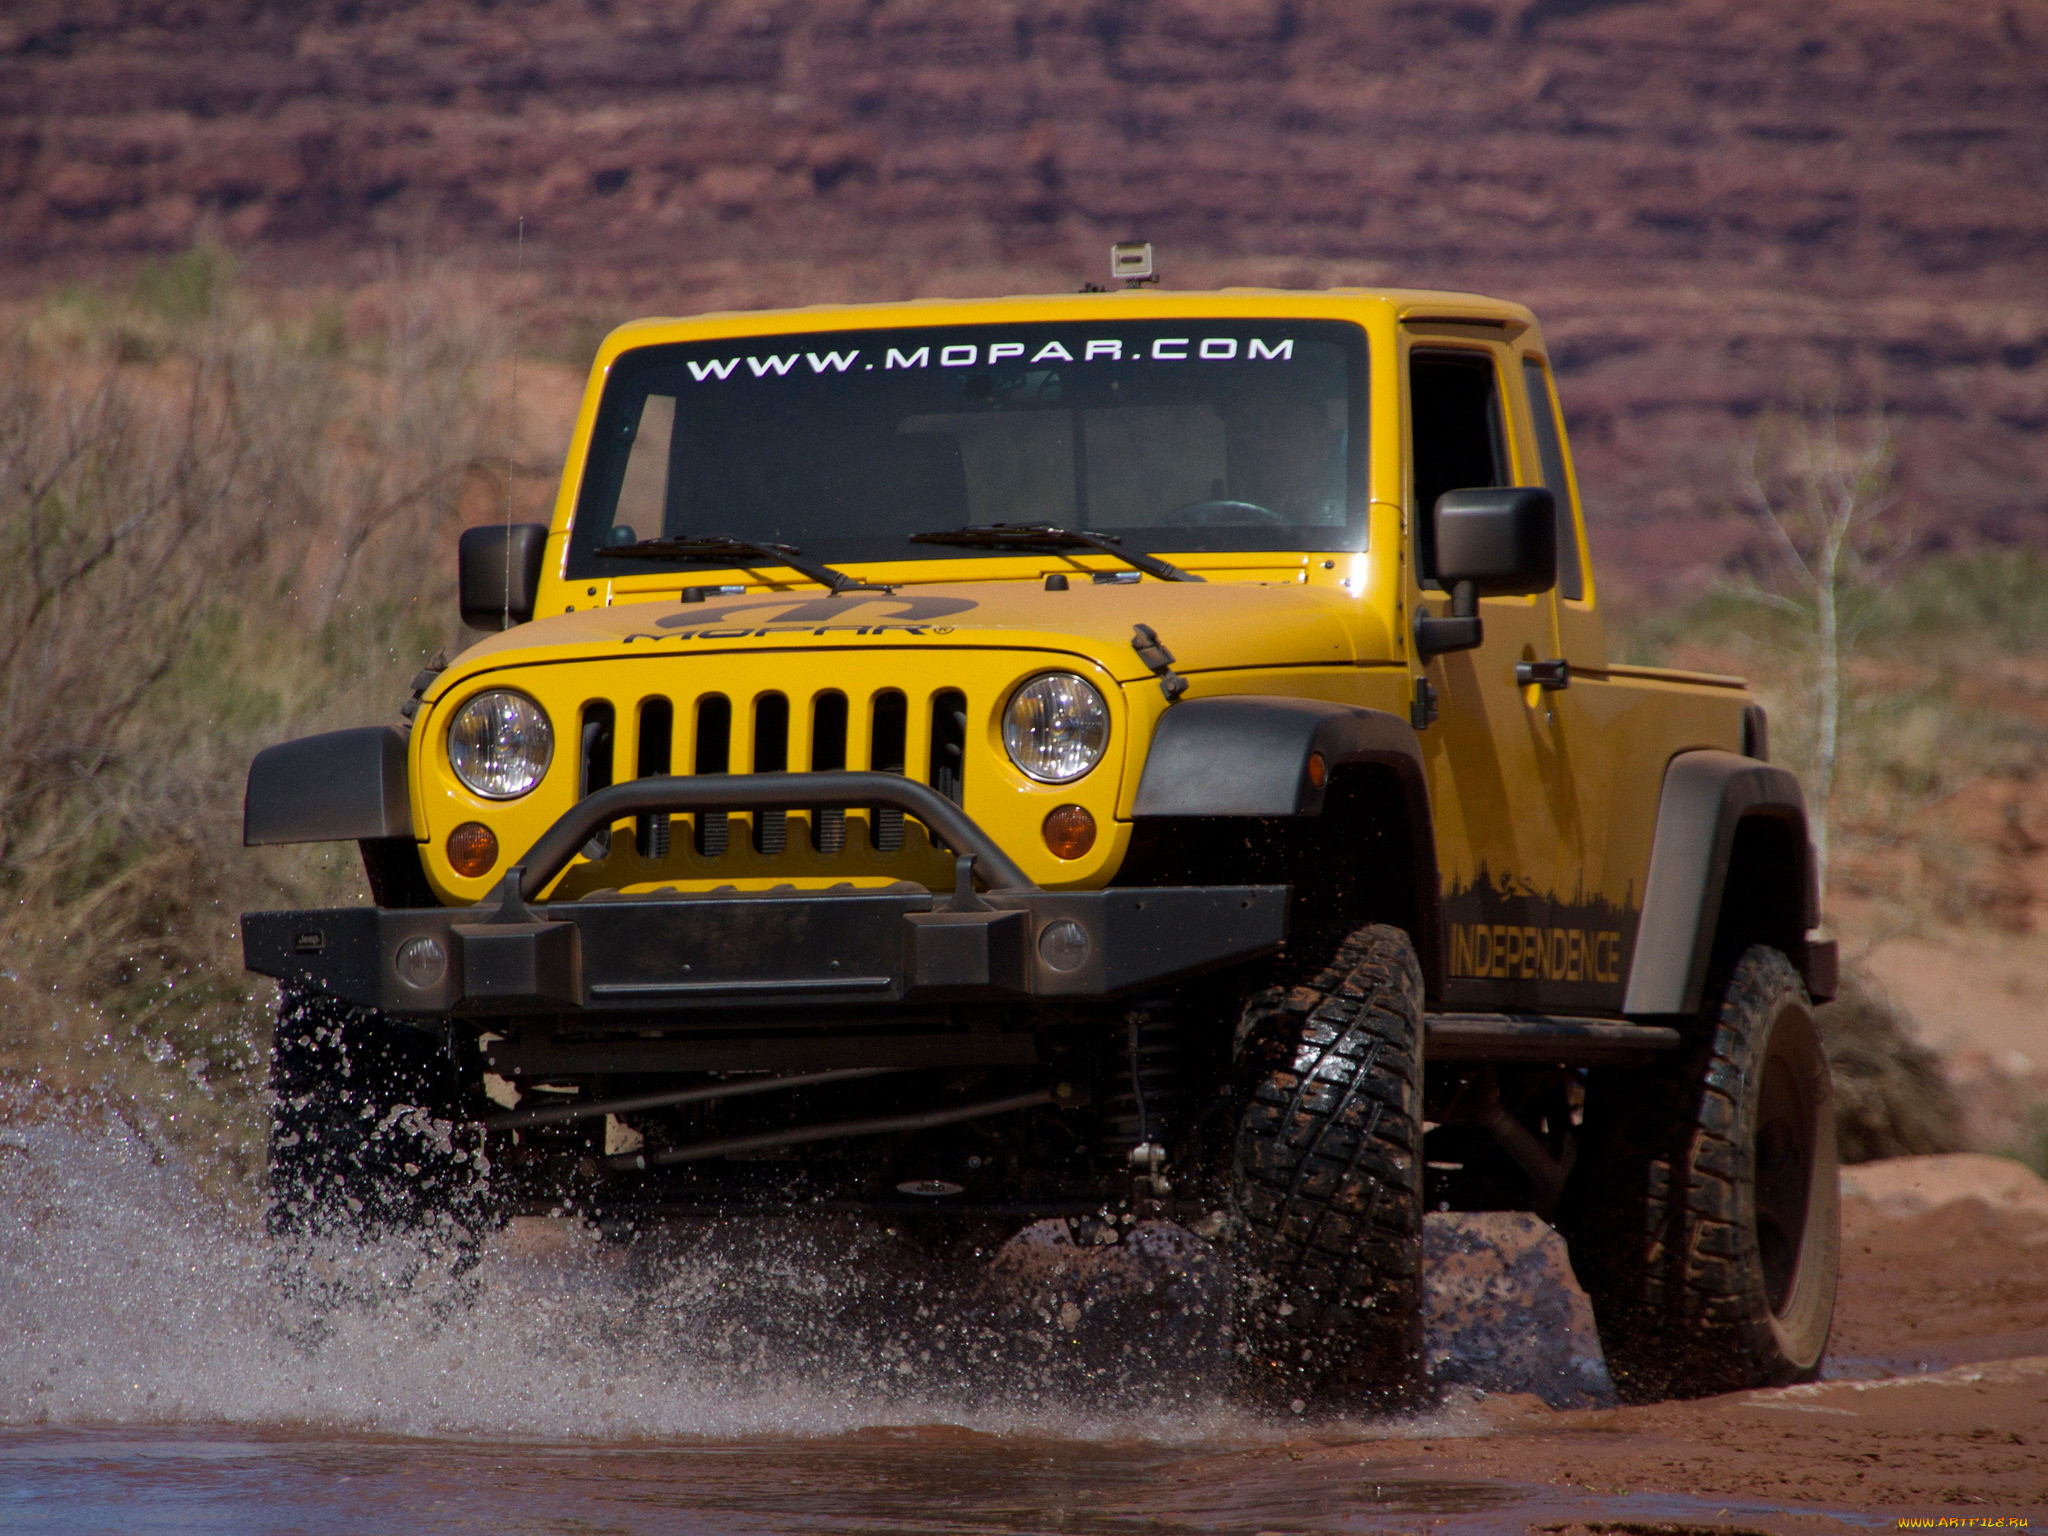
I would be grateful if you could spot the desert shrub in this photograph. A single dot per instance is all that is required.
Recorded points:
(1964, 599)
(2030, 1143)
(1891, 1097)
(218, 531)
(1939, 718)
(188, 287)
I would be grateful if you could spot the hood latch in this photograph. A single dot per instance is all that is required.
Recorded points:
(1157, 657)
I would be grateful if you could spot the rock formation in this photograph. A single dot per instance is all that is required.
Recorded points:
(1716, 205)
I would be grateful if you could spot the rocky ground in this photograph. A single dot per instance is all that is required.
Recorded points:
(1936, 1402)
(1967, 1441)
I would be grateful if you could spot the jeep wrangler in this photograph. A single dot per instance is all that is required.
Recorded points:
(1122, 756)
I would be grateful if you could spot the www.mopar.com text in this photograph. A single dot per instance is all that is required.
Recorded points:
(1165, 349)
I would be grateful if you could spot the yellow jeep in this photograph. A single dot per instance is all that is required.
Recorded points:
(1129, 755)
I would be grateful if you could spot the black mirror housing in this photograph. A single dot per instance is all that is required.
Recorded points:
(498, 573)
(1502, 539)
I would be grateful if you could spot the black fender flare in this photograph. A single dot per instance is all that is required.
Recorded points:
(1706, 797)
(1250, 755)
(336, 787)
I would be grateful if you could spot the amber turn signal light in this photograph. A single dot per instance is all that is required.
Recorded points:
(472, 849)
(1318, 770)
(1069, 831)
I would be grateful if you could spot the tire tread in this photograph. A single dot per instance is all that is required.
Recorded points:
(1327, 1183)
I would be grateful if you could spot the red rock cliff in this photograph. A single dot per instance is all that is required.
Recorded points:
(1712, 202)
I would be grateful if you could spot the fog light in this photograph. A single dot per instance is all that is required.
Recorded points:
(1064, 945)
(422, 962)
(1069, 831)
(472, 849)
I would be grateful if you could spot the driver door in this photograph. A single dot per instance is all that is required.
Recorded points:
(1509, 840)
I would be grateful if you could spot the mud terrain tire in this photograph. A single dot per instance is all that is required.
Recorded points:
(1326, 1185)
(366, 1136)
(1706, 1221)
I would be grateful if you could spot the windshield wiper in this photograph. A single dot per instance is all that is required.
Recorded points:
(1046, 536)
(722, 547)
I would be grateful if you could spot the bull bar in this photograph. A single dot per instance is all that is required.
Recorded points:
(700, 953)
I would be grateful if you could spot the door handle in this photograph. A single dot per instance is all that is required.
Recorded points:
(1547, 675)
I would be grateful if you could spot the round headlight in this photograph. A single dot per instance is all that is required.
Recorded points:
(499, 744)
(1056, 727)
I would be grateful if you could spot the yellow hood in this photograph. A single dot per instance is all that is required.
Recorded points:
(1207, 626)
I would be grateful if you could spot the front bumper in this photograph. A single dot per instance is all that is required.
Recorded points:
(682, 955)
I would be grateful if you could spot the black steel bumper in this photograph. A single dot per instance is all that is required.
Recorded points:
(773, 950)
(679, 954)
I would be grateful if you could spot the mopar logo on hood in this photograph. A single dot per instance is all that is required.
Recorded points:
(902, 615)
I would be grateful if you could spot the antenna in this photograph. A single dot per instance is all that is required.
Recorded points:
(512, 412)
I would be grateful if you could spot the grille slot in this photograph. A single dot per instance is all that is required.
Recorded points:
(888, 753)
(656, 754)
(595, 772)
(714, 755)
(828, 754)
(771, 755)
(949, 744)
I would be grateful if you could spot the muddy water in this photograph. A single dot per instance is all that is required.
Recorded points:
(905, 1479)
(896, 1480)
(161, 1371)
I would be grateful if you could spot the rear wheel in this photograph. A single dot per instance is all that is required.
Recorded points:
(1326, 1185)
(367, 1131)
(1706, 1219)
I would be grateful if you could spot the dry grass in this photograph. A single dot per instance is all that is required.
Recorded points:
(1940, 809)
(1944, 746)
(220, 530)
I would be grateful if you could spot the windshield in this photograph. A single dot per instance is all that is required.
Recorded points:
(1174, 436)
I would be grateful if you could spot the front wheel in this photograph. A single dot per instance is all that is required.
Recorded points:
(1326, 1185)
(1705, 1221)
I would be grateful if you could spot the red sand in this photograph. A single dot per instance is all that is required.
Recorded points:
(1945, 1263)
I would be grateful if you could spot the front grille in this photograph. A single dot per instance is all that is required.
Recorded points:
(772, 732)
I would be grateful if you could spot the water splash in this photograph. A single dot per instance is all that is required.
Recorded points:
(128, 1297)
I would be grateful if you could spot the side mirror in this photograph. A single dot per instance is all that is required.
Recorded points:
(498, 573)
(1496, 542)
(1503, 541)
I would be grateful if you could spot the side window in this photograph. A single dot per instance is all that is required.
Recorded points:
(1571, 563)
(1458, 443)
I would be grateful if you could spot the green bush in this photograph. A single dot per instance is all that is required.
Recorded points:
(188, 287)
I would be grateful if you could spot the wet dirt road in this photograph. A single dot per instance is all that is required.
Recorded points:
(1838, 1457)
(927, 1479)
(151, 1380)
